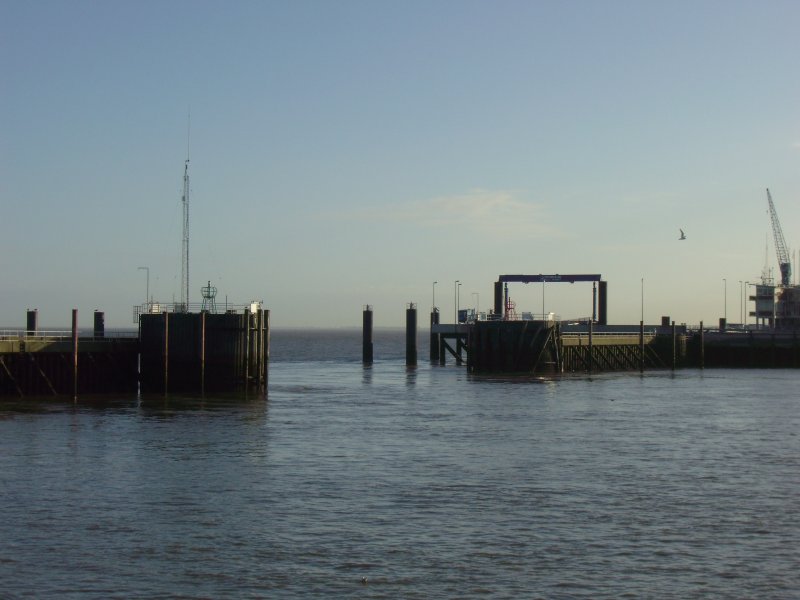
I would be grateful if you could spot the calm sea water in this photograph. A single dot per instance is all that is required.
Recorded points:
(427, 482)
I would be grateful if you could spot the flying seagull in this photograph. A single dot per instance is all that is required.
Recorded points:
(683, 235)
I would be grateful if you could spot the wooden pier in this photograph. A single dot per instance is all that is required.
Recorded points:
(549, 347)
(66, 363)
(173, 352)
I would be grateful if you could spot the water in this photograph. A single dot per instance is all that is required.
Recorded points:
(428, 482)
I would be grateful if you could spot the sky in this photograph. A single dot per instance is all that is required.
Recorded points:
(353, 153)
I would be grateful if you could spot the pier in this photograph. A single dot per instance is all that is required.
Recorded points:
(173, 351)
(67, 362)
(506, 342)
(547, 347)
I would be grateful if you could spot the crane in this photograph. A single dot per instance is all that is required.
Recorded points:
(784, 262)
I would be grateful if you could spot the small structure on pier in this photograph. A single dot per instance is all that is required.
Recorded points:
(204, 351)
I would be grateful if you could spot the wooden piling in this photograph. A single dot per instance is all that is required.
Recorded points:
(591, 355)
(411, 335)
(366, 343)
(641, 346)
(434, 345)
(246, 357)
(702, 347)
(265, 351)
(75, 353)
(203, 352)
(166, 352)
(257, 343)
(99, 324)
(674, 341)
(33, 321)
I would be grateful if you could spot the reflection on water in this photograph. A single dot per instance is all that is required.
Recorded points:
(428, 481)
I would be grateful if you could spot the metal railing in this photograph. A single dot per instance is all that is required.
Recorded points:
(52, 335)
(157, 308)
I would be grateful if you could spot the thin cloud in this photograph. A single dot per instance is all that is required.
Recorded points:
(495, 213)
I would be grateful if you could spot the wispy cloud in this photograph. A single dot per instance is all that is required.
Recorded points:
(498, 213)
(796, 145)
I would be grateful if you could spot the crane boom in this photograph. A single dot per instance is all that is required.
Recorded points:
(784, 262)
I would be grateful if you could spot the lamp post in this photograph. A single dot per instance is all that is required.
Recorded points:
(741, 301)
(458, 300)
(725, 298)
(455, 300)
(746, 287)
(642, 299)
(433, 307)
(147, 293)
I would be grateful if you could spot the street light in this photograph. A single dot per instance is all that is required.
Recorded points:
(455, 299)
(147, 296)
(741, 301)
(725, 297)
(746, 287)
(458, 300)
(433, 308)
(642, 299)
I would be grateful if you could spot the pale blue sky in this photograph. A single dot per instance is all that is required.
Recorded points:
(350, 153)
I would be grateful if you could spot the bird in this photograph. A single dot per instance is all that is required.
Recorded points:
(683, 235)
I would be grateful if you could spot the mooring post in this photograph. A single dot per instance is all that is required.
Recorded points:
(702, 347)
(259, 344)
(366, 344)
(166, 352)
(674, 340)
(434, 349)
(641, 346)
(591, 356)
(602, 302)
(33, 321)
(99, 324)
(246, 323)
(75, 353)
(203, 352)
(411, 335)
(265, 363)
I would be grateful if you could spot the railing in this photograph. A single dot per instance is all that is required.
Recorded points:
(50, 335)
(156, 308)
(631, 334)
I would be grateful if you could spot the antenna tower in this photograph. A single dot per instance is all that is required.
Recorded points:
(185, 239)
(185, 242)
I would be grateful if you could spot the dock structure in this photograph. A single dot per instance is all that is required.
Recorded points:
(504, 342)
(174, 351)
(204, 352)
(549, 347)
(67, 362)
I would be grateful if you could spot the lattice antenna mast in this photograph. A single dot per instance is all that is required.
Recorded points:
(784, 261)
(185, 242)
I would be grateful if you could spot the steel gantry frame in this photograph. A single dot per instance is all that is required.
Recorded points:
(599, 309)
